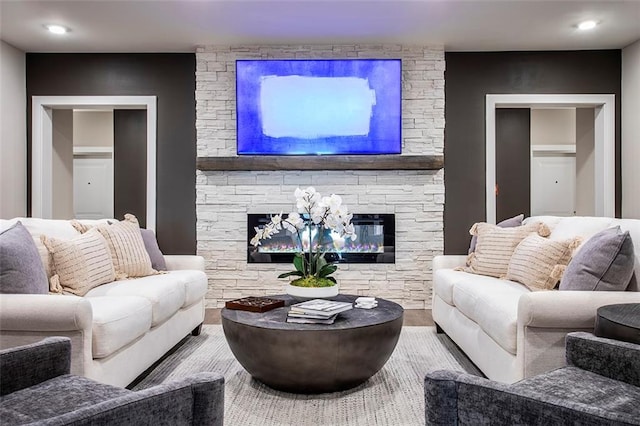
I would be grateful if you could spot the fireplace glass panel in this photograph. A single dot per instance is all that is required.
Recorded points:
(375, 242)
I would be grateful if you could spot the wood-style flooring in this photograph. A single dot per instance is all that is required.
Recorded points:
(412, 317)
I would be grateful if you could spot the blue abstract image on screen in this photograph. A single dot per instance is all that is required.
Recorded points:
(305, 107)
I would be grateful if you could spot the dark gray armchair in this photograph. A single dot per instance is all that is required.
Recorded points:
(599, 386)
(36, 388)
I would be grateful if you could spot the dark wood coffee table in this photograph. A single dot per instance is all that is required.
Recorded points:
(313, 358)
(619, 322)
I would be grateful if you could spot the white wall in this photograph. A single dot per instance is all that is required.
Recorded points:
(62, 164)
(631, 131)
(553, 126)
(416, 197)
(93, 128)
(13, 133)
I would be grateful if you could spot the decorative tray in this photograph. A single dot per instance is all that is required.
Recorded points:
(254, 304)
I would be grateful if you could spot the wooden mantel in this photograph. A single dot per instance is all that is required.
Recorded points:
(322, 162)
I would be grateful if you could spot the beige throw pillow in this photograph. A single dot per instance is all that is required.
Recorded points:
(495, 245)
(79, 264)
(539, 262)
(129, 256)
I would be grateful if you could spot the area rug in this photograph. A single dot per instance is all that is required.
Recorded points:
(394, 396)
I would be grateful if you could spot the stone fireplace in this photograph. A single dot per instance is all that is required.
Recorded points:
(415, 197)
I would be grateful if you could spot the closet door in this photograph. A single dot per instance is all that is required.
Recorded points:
(92, 188)
(553, 184)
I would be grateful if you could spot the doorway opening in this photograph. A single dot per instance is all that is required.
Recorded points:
(43, 108)
(603, 137)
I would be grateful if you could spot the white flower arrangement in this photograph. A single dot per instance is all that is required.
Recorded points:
(313, 212)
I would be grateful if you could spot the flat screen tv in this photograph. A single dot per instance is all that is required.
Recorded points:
(319, 107)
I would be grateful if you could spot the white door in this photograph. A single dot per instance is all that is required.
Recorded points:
(553, 184)
(92, 187)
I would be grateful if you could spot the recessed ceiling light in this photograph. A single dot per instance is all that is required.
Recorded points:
(587, 25)
(57, 29)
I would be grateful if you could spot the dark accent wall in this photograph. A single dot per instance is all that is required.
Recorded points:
(513, 162)
(471, 76)
(130, 163)
(168, 76)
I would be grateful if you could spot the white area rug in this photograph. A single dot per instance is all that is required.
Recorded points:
(394, 396)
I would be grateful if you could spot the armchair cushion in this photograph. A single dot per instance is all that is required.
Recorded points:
(614, 359)
(568, 395)
(25, 366)
(455, 398)
(53, 397)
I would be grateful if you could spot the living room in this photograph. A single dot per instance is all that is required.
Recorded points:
(185, 180)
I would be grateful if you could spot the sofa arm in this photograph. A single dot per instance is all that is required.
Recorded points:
(567, 309)
(28, 318)
(448, 261)
(177, 262)
(44, 312)
(607, 357)
(24, 366)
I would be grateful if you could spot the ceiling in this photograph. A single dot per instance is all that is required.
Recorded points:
(181, 25)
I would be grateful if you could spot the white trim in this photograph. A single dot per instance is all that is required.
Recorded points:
(92, 150)
(558, 149)
(604, 131)
(41, 190)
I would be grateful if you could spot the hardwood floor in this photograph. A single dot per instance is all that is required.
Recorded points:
(412, 317)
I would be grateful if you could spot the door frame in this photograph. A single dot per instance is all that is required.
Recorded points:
(604, 133)
(42, 145)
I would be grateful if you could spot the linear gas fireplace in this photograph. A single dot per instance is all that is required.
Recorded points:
(375, 242)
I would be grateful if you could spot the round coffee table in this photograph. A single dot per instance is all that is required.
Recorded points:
(313, 358)
(619, 322)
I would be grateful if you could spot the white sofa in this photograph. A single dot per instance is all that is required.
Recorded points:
(510, 332)
(117, 330)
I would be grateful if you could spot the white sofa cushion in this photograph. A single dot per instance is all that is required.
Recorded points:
(195, 284)
(578, 226)
(444, 280)
(161, 290)
(493, 305)
(118, 321)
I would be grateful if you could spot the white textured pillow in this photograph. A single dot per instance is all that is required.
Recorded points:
(539, 262)
(79, 264)
(495, 246)
(129, 256)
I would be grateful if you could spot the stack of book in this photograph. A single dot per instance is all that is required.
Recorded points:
(317, 311)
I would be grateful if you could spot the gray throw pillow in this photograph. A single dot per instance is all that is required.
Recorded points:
(21, 269)
(512, 222)
(604, 263)
(151, 245)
